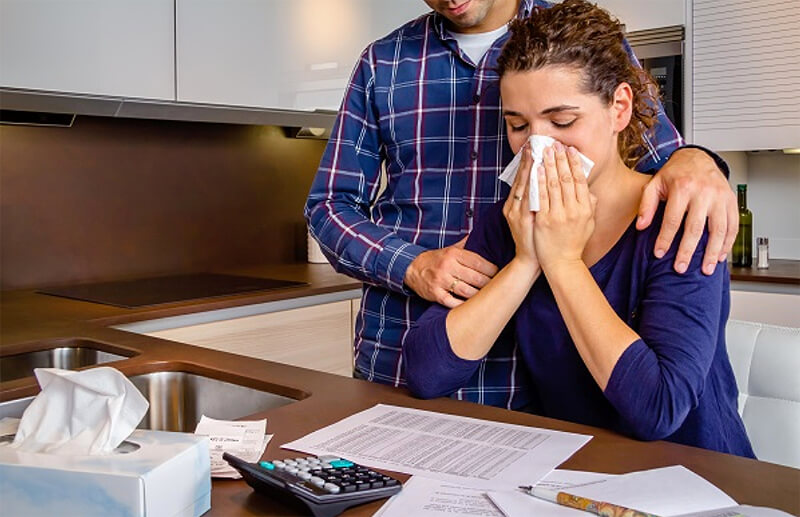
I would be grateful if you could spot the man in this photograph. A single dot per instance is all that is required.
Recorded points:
(423, 102)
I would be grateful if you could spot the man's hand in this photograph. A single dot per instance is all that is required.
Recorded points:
(438, 275)
(691, 182)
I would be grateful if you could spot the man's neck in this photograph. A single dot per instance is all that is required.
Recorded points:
(501, 12)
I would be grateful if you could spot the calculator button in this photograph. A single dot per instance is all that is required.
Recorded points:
(350, 487)
(362, 485)
(292, 470)
(316, 481)
(304, 468)
(337, 464)
(301, 461)
(328, 458)
(279, 464)
(290, 462)
(377, 484)
(324, 465)
(391, 482)
(267, 465)
(312, 459)
(330, 487)
(304, 476)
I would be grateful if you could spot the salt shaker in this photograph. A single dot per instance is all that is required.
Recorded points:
(763, 253)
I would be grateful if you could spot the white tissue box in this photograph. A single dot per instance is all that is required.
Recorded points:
(169, 475)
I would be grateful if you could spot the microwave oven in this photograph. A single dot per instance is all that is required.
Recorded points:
(660, 52)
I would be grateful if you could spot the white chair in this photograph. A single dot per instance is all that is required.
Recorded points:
(766, 363)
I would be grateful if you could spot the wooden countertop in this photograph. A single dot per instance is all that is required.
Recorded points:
(30, 319)
(779, 272)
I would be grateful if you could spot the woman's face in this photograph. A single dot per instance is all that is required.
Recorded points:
(550, 102)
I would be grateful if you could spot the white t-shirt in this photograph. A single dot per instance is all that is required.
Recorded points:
(476, 45)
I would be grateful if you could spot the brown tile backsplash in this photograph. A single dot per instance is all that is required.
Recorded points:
(114, 198)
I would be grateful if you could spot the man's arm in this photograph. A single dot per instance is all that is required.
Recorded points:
(347, 183)
(694, 183)
(338, 205)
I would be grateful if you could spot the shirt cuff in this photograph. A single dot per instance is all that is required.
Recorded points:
(721, 164)
(393, 261)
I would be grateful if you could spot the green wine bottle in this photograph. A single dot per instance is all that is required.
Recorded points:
(742, 254)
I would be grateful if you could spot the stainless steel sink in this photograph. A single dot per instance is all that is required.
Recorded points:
(179, 399)
(67, 354)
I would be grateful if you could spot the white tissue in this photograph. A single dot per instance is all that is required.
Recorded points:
(86, 412)
(538, 143)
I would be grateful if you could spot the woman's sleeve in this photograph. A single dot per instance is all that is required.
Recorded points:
(432, 368)
(660, 377)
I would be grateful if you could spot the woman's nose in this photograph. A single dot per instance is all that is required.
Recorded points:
(542, 129)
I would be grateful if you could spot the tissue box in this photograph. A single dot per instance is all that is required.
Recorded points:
(168, 475)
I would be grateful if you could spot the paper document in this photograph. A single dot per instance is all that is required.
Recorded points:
(456, 449)
(519, 504)
(242, 438)
(741, 511)
(668, 491)
(423, 497)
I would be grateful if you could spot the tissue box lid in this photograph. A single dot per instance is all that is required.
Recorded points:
(154, 448)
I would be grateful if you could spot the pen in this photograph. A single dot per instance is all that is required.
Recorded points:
(582, 503)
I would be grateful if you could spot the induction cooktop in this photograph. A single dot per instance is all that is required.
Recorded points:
(142, 292)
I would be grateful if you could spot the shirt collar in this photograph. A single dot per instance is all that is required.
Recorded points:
(525, 9)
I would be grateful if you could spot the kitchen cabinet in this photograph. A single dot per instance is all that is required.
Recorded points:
(773, 308)
(285, 54)
(744, 74)
(646, 15)
(119, 48)
(319, 337)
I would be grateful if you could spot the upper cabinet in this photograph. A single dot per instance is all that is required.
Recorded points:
(638, 15)
(744, 78)
(120, 48)
(286, 54)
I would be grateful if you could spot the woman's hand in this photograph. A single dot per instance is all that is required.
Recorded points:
(518, 213)
(566, 217)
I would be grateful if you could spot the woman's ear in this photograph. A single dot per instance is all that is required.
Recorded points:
(622, 107)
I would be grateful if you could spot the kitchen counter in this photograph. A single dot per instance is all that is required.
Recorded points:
(30, 320)
(780, 271)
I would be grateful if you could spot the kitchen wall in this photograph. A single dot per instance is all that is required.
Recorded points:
(116, 198)
(773, 195)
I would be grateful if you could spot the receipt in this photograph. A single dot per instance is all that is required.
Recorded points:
(538, 145)
(246, 439)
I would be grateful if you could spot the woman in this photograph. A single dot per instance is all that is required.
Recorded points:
(609, 335)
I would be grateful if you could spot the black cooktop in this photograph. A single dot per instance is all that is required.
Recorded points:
(167, 289)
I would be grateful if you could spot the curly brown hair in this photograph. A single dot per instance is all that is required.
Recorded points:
(581, 35)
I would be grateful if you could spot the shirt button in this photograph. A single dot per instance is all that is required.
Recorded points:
(474, 155)
(469, 212)
(476, 98)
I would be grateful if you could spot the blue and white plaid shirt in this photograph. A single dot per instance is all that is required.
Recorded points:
(418, 106)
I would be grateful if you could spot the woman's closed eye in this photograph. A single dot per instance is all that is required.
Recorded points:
(521, 127)
(563, 124)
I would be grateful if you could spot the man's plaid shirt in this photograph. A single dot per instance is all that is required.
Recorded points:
(418, 107)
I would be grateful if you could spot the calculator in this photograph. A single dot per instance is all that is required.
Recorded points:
(324, 485)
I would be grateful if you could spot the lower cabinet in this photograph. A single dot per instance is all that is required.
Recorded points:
(773, 308)
(319, 337)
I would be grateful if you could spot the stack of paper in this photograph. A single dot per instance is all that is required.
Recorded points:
(245, 439)
(455, 449)
(467, 466)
